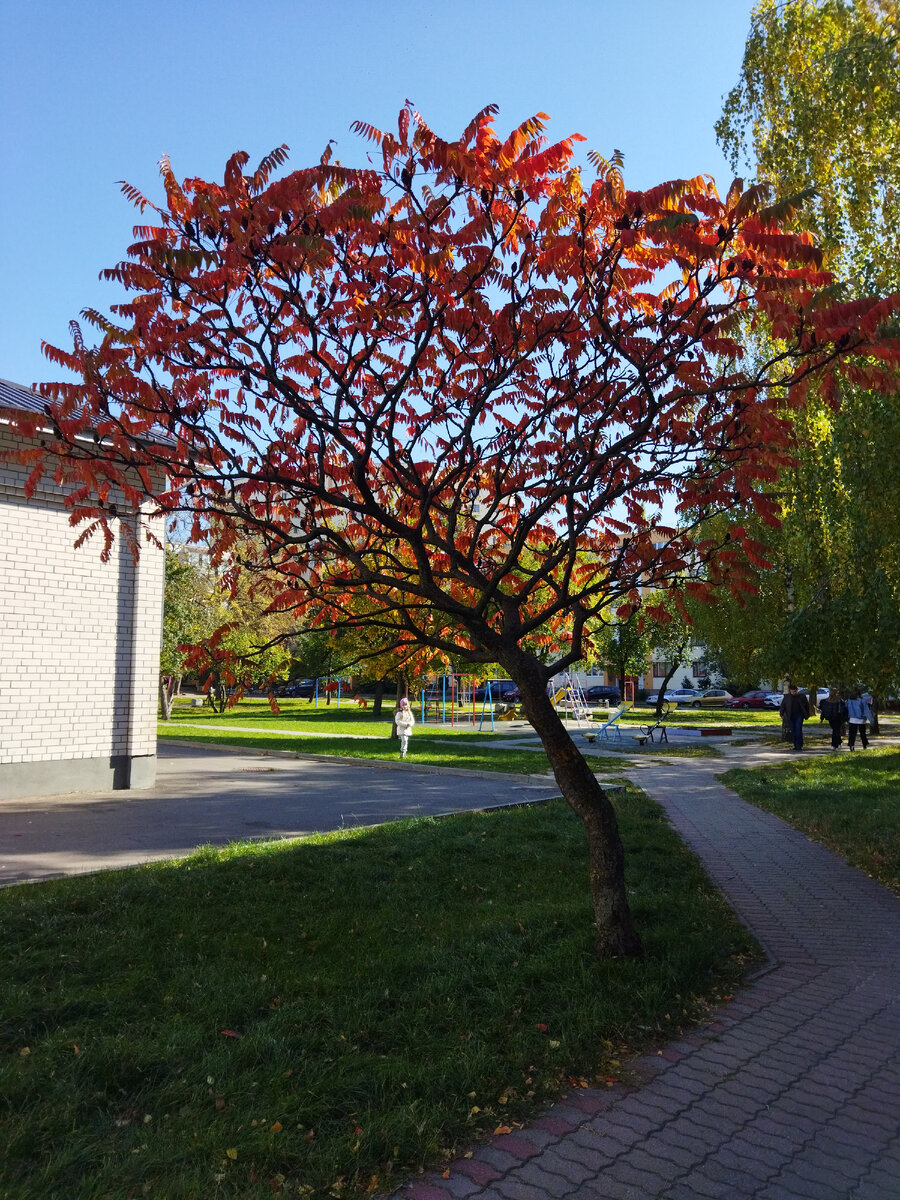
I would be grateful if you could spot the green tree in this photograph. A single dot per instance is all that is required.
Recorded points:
(232, 636)
(623, 646)
(817, 105)
(187, 620)
(670, 631)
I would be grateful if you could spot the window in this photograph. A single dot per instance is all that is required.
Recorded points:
(660, 670)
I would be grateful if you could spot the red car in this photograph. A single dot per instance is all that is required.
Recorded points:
(748, 700)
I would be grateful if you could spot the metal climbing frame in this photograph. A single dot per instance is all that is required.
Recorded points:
(450, 700)
(570, 700)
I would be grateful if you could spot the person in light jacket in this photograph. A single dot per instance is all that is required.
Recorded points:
(404, 720)
(794, 711)
(834, 711)
(858, 712)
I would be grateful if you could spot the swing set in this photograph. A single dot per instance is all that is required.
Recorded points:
(451, 700)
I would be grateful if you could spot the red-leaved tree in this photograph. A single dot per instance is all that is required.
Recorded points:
(445, 396)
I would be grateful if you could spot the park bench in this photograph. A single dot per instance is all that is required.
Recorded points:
(646, 732)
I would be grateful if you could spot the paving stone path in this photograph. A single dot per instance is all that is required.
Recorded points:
(791, 1093)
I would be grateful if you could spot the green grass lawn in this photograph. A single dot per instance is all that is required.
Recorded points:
(850, 803)
(349, 732)
(321, 1018)
(424, 750)
(750, 718)
(301, 716)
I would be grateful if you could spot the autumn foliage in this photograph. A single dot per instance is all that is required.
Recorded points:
(447, 395)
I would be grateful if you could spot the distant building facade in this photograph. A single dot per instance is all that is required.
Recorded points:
(79, 639)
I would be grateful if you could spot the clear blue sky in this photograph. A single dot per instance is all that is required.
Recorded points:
(94, 91)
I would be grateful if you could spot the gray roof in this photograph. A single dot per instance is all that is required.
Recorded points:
(13, 395)
(23, 399)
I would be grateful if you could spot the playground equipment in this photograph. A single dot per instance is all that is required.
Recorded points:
(328, 688)
(658, 726)
(569, 701)
(609, 730)
(450, 700)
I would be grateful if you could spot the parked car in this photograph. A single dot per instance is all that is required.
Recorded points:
(755, 699)
(679, 696)
(710, 698)
(303, 689)
(603, 691)
(502, 691)
(774, 699)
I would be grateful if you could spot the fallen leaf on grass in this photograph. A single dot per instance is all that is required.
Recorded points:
(229, 1033)
(502, 1129)
(276, 1127)
(231, 1152)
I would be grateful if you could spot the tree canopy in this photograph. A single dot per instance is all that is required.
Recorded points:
(446, 396)
(818, 106)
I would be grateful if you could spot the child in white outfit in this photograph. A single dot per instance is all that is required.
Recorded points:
(404, 720)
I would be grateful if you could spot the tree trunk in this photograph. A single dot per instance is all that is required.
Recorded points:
(401, 692)
(218, 697)
(616, 935)
(874, 728)
(661, 696)
(166, 692)
(379, 697)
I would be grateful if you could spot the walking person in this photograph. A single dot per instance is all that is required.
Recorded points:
(858, 712)
(794, 711)
(404, 720)
(834, 711)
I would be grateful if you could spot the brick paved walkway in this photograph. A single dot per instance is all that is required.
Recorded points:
(792, 1093)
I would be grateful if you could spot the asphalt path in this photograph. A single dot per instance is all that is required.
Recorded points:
(206, 796)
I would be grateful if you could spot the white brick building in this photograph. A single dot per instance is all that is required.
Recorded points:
(79, 641)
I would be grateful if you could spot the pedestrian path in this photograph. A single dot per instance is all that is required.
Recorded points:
(791, 1093)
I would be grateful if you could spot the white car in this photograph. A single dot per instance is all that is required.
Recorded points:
(679, 696)
(774, 699)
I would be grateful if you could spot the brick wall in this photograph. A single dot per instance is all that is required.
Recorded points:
(79, 638)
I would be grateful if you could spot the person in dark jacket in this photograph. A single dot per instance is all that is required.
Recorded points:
(834, 711)
(794, 711)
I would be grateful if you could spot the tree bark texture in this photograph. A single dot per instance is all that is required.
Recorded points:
(616, 935)
(661, 695)
(166, 692)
